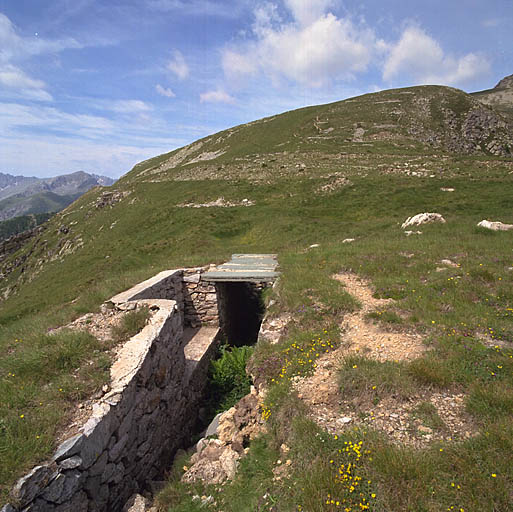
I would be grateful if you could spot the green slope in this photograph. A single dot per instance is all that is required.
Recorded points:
(319, 175)
(23, 223)
(43, 202)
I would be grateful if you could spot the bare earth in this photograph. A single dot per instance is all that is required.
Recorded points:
(391, 415)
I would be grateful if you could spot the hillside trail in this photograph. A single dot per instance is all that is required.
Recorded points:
(360, 336)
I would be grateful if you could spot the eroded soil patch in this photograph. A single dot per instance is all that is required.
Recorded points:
(417, 420)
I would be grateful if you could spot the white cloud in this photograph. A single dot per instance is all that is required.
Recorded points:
(218, 96)
(14, 48)
(491, 23)
(130, 107)
(16, 83)
(236, 65)
(11, 76)
(40, 140)
(14, 116)
(163, 91)
(418, 57)
(178, 65)
(306, 12)
(315, 49)
(50, 156)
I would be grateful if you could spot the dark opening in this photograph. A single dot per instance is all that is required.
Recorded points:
(240, 312)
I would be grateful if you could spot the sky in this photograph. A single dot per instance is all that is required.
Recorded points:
(98, 86)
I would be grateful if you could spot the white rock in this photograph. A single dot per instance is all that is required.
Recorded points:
(348, 240)
(422, 218)
(136, 503)
(495, 226)
(449, 263)
(408, 233)
(345, 420)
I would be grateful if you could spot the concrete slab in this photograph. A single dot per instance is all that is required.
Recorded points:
(200, 346)
(245, 267)
(198, 340)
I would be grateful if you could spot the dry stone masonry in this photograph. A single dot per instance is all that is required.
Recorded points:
(157, 381)
(157, 384)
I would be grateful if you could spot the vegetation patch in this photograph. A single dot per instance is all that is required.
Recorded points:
(228, 379)
(131, 323)
(41, 380)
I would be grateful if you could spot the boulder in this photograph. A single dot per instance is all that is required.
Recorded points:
(422, 218)
(495, 226)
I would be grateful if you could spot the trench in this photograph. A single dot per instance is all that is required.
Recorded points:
(159, 395)
(241, 310)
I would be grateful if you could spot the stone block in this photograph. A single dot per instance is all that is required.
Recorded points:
(39, 505)
(92, 486)
(54, 491)
(97, 432)
(126, 424)
(119, 473)
(143, 449)
(108, 472)
(117, 450)
(78, 503)
(71, 463)
(99, 466)
(28, 487)
(68, 448)
(64, 486)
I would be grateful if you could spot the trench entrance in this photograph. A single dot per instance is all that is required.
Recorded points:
(239, 284)
(240, 313)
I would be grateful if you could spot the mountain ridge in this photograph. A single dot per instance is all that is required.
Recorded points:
(20, 195)
(500, 97)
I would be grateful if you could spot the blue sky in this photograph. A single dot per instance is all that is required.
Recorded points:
(98, 86)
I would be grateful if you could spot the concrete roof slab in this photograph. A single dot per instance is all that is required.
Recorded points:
(245, 267)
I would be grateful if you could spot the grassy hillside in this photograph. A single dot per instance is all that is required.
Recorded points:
(16, 206)
(23, 223)
(353, 169)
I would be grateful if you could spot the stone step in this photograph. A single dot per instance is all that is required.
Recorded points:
(200, 345)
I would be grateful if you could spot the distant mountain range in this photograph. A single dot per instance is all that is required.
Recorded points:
(21, 195)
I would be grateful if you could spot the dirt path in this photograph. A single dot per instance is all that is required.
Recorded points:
(361, 336)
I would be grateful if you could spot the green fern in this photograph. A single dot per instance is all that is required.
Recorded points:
(228, 377)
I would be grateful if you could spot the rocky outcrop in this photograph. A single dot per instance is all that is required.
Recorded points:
(505, 83)
(495, 226)
(216, 460)
(109, 199)
(422, 218)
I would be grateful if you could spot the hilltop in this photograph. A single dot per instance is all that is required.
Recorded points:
(342, 178)
(500, 97)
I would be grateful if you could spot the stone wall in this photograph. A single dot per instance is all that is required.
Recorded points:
(200, 299)
(134, 431)
(196, 299)
(157, 383)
